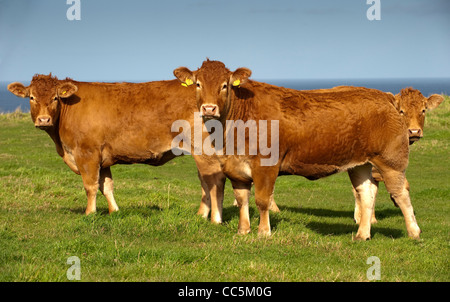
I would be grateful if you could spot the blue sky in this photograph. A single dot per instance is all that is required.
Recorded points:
(284, 39)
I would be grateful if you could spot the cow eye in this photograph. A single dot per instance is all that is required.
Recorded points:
(224, 86)
(423, 111)
(32, 98)
(55, 98)
(402, 112)
(198, 85)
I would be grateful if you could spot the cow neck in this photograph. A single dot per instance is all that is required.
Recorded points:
(53, 132)
(238, 107)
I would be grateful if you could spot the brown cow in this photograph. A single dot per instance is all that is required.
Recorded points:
(412, 106)
(97, 125)
(319, 134)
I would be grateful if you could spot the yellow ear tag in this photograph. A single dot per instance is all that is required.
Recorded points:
(64, 92)
(189, 82)
(184, 84)
(236, 82)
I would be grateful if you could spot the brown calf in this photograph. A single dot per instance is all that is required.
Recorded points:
(319, 134)
(412, 106)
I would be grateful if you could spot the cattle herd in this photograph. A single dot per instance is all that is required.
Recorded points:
(311, 133)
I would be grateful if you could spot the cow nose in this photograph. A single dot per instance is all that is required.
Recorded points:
(415, 132)
(43, 121)
(210, 110)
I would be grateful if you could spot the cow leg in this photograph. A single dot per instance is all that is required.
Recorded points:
(213, 185)
(107, 189)
(216, 185)
(357, 214)
(398, 187)
(242, 194)
(273, 206)
(363, 185)
(264, 180)
(205, 203)
(90, 172)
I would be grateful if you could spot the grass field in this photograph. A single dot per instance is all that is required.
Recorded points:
(156, 235)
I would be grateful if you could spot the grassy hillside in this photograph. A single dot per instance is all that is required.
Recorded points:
(156, 235)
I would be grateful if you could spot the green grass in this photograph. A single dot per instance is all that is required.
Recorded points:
(156, 235)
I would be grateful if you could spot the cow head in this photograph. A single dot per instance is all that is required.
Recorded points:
(412, 105)
(45, 93)
(214, 83)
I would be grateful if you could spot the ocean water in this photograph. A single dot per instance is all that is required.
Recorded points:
(9, 102)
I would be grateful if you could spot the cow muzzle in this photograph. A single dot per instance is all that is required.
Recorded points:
(414, 135)
(209, 111)
(43, 122)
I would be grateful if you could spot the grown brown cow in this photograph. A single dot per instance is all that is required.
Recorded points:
(319, 134)
(412, 106)
(97, 125)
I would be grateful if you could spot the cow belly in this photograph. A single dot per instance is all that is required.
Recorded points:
(311, 171)
(236, 168)
(148, 157)
(315, 171)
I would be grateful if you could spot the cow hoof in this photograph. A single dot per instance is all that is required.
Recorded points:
(415, 234)
(204, 214)
(90, 213)
(243, 231)
(216, 218)
(113, 210)
(360, 237)
(264, 233)
(274, 208)
(216, 221)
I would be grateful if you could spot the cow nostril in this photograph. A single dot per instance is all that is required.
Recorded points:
(415, 132)
(44, 120)
(209, 109)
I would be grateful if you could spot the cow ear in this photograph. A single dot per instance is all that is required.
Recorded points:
(184, 75)
(19, 89)
(392, 99)
(396, 101)
(240, 76)
(434, 100)
(66, 89)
